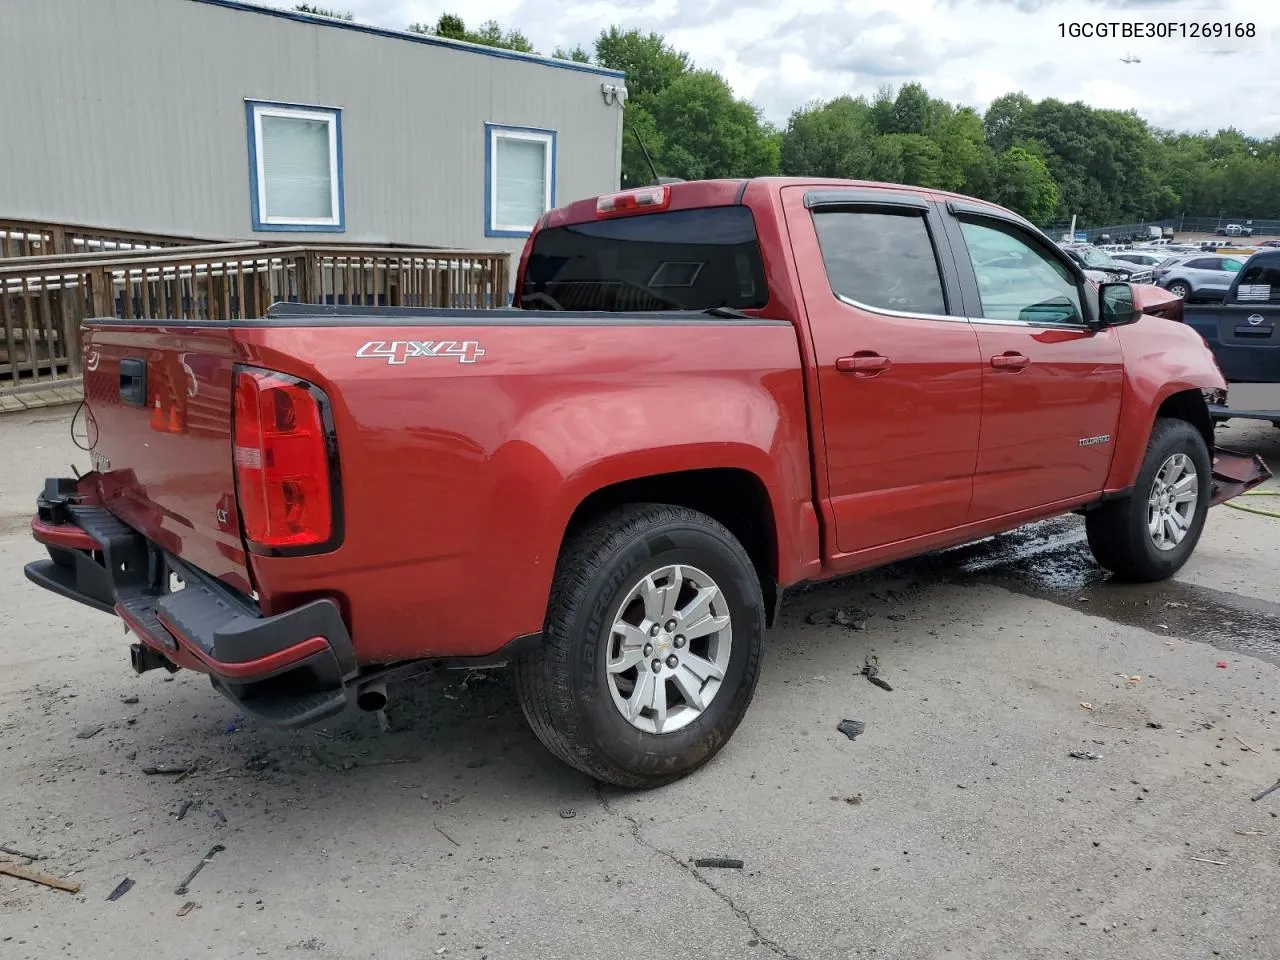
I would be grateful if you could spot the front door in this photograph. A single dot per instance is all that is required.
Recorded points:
(1051, 383)
(899, 381)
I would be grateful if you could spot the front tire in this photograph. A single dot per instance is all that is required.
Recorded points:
(1151, 533)
(651, 649)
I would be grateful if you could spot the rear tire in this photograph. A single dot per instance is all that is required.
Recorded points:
(603, 718)
(1151, 533)
(1180, 289)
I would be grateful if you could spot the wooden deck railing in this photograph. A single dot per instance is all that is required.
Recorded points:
(28, 238)
(44, 302)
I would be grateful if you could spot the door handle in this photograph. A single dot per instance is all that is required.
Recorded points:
(1009, 360)
(864, 363)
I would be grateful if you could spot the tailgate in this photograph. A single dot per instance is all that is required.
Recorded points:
(1244, 338)
(160, 401)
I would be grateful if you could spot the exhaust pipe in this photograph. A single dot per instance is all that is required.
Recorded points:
(372, 697)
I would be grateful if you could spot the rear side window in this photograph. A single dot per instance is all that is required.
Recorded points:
(1204, 263)
(882, 260)
(677, 260)
(1260, 281)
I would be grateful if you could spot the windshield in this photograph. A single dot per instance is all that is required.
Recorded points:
(678, 260)
(1094, 258)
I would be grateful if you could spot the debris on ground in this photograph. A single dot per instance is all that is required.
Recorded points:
(1216, 863)
(719, 863)
(853, 799)
(852, 728)
(568, 813)
(446, 836)
(871, 670)
(1222, 664)
(187, 908)
(165, 771)
(1267, 792)
(182, 810)
(92, 730)
(234, 724)
(840, 616)
(1155, 726)
(14, 852)
(219, 814)
(130, 700)
(1086, 704)
(1133, 680)
(186, 882)
(123, 887)
(13, 870)
(1243, 745)
(1084, 755)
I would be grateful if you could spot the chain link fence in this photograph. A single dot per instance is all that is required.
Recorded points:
(1180, 225)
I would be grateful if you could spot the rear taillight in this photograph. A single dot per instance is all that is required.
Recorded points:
(284, 480)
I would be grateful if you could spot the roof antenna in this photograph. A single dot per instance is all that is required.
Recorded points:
(645, 151)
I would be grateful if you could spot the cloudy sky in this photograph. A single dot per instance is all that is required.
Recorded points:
(782, 53)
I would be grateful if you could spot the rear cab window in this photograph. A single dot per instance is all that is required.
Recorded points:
(1260, 281)
(694, 259)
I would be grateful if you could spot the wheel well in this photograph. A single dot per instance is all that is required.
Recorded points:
(1189, 405)
(736, 498)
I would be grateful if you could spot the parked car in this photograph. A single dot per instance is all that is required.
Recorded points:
(1235, 230)
(1091, 258)
(711, 392)
(1149, 260)
(1269, 243)
(1244, 330)
(1200, 278)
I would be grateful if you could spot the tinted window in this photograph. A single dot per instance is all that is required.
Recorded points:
(1018, 281)
(1260, 281)
(678, 260)
(883, 260)
(1204, 263)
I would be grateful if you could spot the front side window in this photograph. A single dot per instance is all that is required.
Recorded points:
(1232, 266)
(881, 260)
(296, 167)
(1017, 281)
(520, 178)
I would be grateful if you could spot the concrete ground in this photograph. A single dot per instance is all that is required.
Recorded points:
(958, 825)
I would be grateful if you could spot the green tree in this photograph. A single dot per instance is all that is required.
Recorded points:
(576, 54)
(649, 64)
(324, 12)
(1023, 183)
(452, 27)
(829, 140)
(708, 133)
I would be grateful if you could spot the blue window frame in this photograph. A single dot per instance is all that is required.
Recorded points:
(519, 178)
(295, 167)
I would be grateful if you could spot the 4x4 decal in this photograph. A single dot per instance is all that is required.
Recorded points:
(399, 351)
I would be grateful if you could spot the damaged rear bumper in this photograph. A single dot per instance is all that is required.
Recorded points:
(1234, 473)
(287, 670)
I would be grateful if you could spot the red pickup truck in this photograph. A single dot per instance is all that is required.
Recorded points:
(707, 393)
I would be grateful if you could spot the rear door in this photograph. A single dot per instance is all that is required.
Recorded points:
(1051, 384)
(159, 405)
(898, 375)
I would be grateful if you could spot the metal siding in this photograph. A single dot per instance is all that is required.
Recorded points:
(132, 116)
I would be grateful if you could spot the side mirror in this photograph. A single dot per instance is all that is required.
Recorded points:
(1116, 304)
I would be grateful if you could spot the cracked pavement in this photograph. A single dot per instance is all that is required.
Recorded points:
(971, 833)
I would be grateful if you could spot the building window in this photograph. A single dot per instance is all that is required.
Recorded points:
(295, 167)
(520, 178)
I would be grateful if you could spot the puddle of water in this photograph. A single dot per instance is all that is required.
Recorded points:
(1051, 561)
